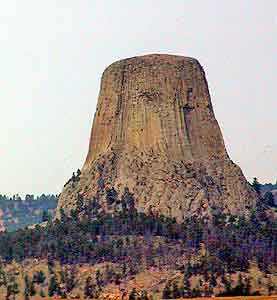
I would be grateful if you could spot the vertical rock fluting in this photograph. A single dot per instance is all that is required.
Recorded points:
(154, 131)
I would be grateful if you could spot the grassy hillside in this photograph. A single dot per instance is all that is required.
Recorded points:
(92, 252)
(124, 253)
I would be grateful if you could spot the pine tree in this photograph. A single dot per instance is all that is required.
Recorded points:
(256, 185)
(8, 280)
(27, 288)
(12, 288)
(187, 287)
(175, 291)
(32, 289)
(213, 281)
(63, 215)
(167, 291)
(89, 288)
(80, 202)
(227, 284)
(111, 196)
(269, 199)
(270, 287)
(133, 295)
(3, 278)
(46, 217)
(73, 178)
(240, 284)
(98, 278)
(53, 288)
(247, 287)
(144, 295)
(42, 294)
(39, 277)
(70, 280)
(128, 200)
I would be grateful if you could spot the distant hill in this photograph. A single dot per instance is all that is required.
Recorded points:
(16, 213)
(269, 187)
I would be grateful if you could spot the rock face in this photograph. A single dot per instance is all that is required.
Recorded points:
(155, 132)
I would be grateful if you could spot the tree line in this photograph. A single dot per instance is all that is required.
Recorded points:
(135, 241)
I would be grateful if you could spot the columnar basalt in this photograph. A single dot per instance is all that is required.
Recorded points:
(155, 132)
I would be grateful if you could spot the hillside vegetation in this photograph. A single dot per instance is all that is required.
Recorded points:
(17, 213)
(93, 251)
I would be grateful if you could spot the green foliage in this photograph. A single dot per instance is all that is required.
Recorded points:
(133, 295)
(42, 294)
(176, 292)
(138, 295)
(256, 185)
(39, 277)
(29, 289)
(46, 216)
(129, 238)
(8, 281)
(68, 277)
(111, 196)
(64, 217)
(19, 213)
(172, 291)
(269, 199)
(80, 202)
(128, 200)
(270, 287)
(213, 281)
(227, 283)
(3, 276)
(186, 285)
(32, 289)
(54, 288)
(98, 277)
(90, 290)
(71, 241)
(242, 288)
(144, 295)
(12, 288)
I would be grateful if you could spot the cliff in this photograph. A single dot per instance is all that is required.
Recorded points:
(155, 132)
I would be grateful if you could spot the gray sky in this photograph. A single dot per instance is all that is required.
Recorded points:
(53, 53)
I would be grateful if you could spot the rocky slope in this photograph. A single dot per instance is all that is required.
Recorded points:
(155, 132)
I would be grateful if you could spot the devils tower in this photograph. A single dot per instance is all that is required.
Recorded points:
(155, 132)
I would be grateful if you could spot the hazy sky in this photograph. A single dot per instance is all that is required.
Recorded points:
(52, 54)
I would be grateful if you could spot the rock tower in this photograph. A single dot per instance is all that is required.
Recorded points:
(155, 132)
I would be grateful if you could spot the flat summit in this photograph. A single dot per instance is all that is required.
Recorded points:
(155, 133)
